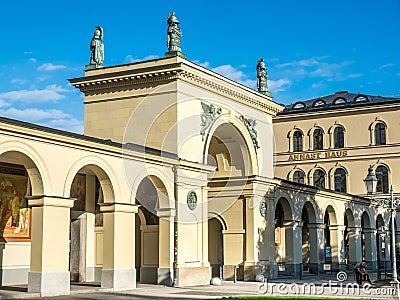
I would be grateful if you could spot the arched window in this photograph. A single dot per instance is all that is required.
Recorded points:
(298, 176)
(340, 180)
(338, 137)
(318, 140)
(297, 141)
(382, 174)
(319, 179)
(380, 134)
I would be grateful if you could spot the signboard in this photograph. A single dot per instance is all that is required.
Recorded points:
(318, 155)
(327, 267)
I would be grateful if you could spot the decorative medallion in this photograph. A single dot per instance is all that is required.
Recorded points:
(192, 200)
(263, 208)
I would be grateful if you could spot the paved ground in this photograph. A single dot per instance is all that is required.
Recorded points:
(309, 285)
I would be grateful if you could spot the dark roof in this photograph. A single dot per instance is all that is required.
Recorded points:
(126, 146)
(336, 100)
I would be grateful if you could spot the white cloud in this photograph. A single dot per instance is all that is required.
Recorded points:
(50, 67)
(385, 66)
(32, 59)
(276, 86)
(32, 114)
(50, 93)
(235, 74)
(130, 59)
(53, 118)
(18, 81)
(309, 62)
(28, 52)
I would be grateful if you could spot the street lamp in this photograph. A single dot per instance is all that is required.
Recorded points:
(371, 183)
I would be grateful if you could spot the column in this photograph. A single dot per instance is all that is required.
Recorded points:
(293, 243)
(165, 270)
(270, 264)
(119, 271)
(371, 255)
(255, 225)
(317, 247)
(355, 251)
(87, 238)
(49, 270)
(340, 246)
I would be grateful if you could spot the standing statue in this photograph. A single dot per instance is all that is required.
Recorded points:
(251, 124)
(97, 49)
(174, 35)
(262, 77)
(208, 115)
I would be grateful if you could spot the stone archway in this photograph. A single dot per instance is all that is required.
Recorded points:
(92, 187)
(216, 246)
(22, 176)
(352, 238)
(309, 235)
(155, 232)
(228, 150)
(368, 251)
(284, 237)
(332, 245)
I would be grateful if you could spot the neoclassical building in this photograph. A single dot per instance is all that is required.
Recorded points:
(330, 142)
(172, 182)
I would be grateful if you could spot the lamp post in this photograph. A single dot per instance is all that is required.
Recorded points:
(371, 183)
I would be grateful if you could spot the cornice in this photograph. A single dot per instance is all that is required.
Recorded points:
(131, 79)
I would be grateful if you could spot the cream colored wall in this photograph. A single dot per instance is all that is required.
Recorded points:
(360, 152)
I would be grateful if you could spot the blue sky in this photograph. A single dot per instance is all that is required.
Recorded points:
(312, 47)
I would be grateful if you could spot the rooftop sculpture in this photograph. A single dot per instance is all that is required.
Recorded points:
(262, 77)
(174, 35)
(97, 50)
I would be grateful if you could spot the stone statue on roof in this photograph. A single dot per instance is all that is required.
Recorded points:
(262, 77)
(174, 34)
(97, 50)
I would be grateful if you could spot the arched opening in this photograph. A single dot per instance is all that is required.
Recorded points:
(309, 239)
(90, 187)
(380, 133)
(147, 229)
(231, 153)
(340, 180)
(338, 137)
(20, 178)
(318, 139)
(284, 237)
(299, 176)
(297, 141)
(367, 239)
(331, 240)
(350, 238)
(381, 245)
(382, 174)
(216, 247)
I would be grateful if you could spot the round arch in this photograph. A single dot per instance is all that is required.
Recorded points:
(103, 172)
(161, 182)
(33, 162)
(243, 133)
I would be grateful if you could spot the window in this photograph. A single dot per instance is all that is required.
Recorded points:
(298, 177)
(361, 99)
(297, 141)
(380, 134)
(382, 174)
(319, 103)
(299, 105)
(339, 101)
(318, 139)
(319, 178)
(338, 137)
(340, 180)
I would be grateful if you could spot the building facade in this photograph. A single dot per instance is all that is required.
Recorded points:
(330, 142)
(172, 183)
